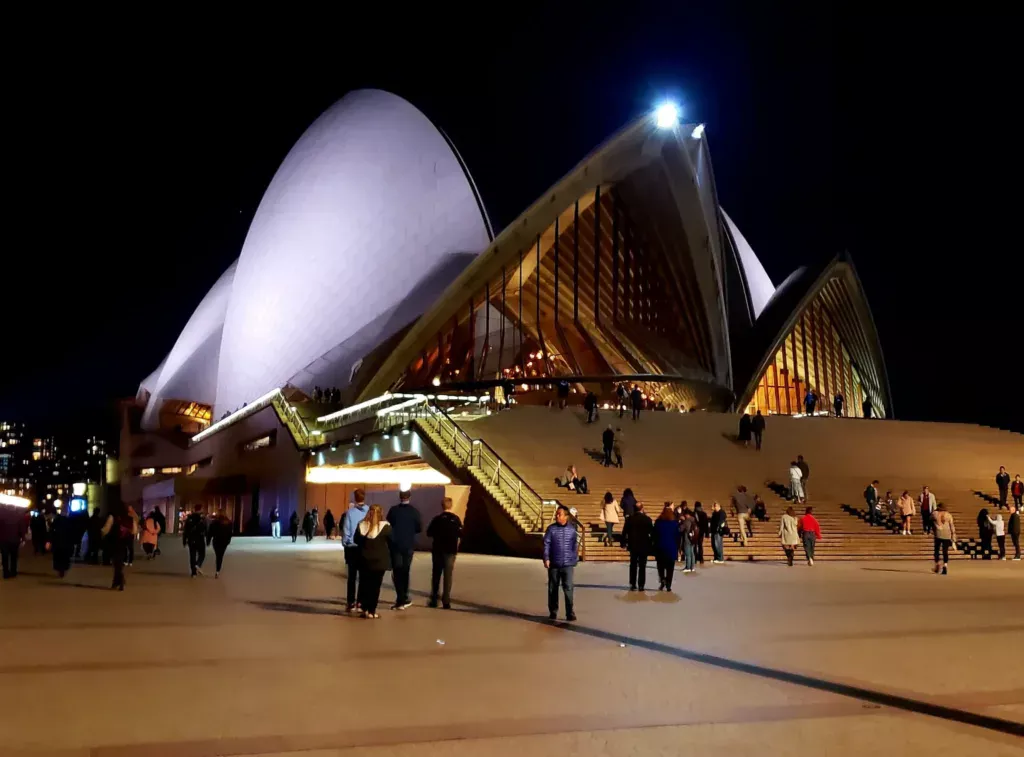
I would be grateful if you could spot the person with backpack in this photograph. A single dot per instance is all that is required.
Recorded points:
(627, 502)
(120, 530)
(446, 530)
(717, 525)
(690, 532)
(636, 537)
(219, 534)
(193, 536)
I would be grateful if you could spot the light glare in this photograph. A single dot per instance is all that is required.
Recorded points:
(666, 115)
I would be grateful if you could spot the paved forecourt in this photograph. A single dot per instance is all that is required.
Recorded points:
(752, 659)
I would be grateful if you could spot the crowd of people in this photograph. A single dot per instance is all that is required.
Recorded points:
(330, 395)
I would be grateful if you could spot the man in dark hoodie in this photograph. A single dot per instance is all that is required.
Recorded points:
(405, 524)
(193, 536)
(445, 529)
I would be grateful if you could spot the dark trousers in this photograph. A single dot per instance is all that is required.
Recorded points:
(637, 570)
(401, 564)
(352, 567)
(607, 456)
(789, 554)
(9, 558)
(441, 564)
(196, 556)
(1003, 494)
(942, 545)
(757, 438)
(700, 549)
(926, 521)
(130, 551)
(369, 589)
(636, 413)
(810, 540)
(809, 409)
(563, 577)
(1001, 541)
(117, 557)
(986, 547)
(218, 552)
(666, 567)
(1015, 538)
(872, 515)
(295, 535)
(1017, 501)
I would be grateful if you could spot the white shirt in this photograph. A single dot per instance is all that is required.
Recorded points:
(999, 525)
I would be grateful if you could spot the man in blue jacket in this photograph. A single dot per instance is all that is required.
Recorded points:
(405, 524)
(349, 523)
(561, 553)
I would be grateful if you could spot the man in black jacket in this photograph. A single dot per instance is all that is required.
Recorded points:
(1003, 482)
(636, 537)
(608, 441)
(193, 536)
(445, 529)
(1014, 529)
(703, 525)
(757, 426)
(405, 524)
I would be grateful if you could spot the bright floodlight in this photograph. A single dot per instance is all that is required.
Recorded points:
(666, 116)
(698, 131)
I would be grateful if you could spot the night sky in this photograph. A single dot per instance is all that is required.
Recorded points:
(138, 167)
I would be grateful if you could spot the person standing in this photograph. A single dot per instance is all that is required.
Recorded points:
(702, 526)
(944, 533)
(744, 433)
(617, 446)
(131, 542)
(1014, 529)
(789, 534)
(1003, 482)
(607, 442)
(62, 543)
(666, 546)
(985, 534)
(906, 505)
(796, 488)
(561, 553)
(610, 514)
(373, 538)
(636, 537)
(926, 503)
(563, 394)
(717, 526)
(275, 523)
(446, 530)
(999, 529)
(161, 525)
(757, 428)
(871, 500)
(96, 521)
(405, 524)
(219, 535)
(293, 526)
(637, 400)
(316, 522)
(38, 528)
(307, 526)
(810, 532)
(193, 536)
(622, 397)
(13, 529)
(329, 524)
(349, 523)
(810, 400)
(150, 532)
(690, 532)
(590, 405)
(1017, 490)
(627, 503)
(120, 530)
(837, 404)
(866, 407)
(805, 471)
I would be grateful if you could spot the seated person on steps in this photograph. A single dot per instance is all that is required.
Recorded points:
(573, 481)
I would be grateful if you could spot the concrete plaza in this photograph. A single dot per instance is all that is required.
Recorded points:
(744, 659)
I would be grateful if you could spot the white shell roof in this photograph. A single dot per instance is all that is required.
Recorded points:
(758, 284)
(347, 246)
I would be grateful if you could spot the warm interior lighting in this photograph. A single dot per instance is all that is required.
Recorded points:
(332, 474)
(354, 408)
(10, 499)
(255, 405)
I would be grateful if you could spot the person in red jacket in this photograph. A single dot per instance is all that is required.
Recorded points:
(1017, 490)
(810, 532)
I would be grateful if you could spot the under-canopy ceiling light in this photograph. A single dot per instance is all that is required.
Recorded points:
(329, 474)
(698, 131)
(666, 115)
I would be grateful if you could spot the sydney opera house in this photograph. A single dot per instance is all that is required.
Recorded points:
(371, 266)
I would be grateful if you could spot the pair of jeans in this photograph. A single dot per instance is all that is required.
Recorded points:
(717, 547)
(926, 521)
(699, 547)
(9, 558)
(666, 567)
(196, 556)
(352, 566)
(369, 589)
(1003, 495)
(810, 539)
(275, 530)
(441, 564)
(943, 546)
(608, 527)
(689, 553)
(218, 553)
(757, 439)
(607, 456)
(796, 488)
(401, 565)
(636, 413)
(563, 577)
(637, 570)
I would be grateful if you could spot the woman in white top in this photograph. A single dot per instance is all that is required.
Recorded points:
(610, 515)
(1000, 528)
(796, 482)
(789, 533)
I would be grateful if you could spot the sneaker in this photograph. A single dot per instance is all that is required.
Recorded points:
(217, 574)
(571, 617)
(432, 604)
(397, 607)
(553, 616)
(350, 608)
(446, 607)
(810, 562)
(945, 570)
(405, 606)
(200, 571)
(632, 588)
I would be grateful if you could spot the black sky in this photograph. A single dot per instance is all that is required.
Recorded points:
(138, 167)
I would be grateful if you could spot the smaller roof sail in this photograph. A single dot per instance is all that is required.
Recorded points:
(758, 284)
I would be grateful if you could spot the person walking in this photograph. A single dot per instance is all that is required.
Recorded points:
(446, 530)
(316, 522)
(329, 523)
(666, 546)
(131, 542)
(590, 405)
(810, 532)
(703, 527)
(906, 505)
(866, 407)
(636, 537)
(38, 528)
(405, 523)
(717, 526)
(757, 428)
(999, 529)
(13, 530)
(150, 532)
(796, 488)
(805, 473)
(622, 398)
(1014, 529)
(96, 521)
(193, 536)
(944, 533)
(161, 523)
(744, 432)
(837, 404)
(561, 553)
(789, 534)
(610, 515)
(617, 446)
(373, 538)
(219, 535)
(1017, 490)
(741, 503)
(275, 523)
(627, 503)
(636, 399)
(871, 500)
(607, 442)
(293, 526)
(353, 562)
(307, 526)
(62, 543)
(120, 529)
(1003, 483)
(810, 400)
(926, 503)
(690, 533)
(985, 534)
